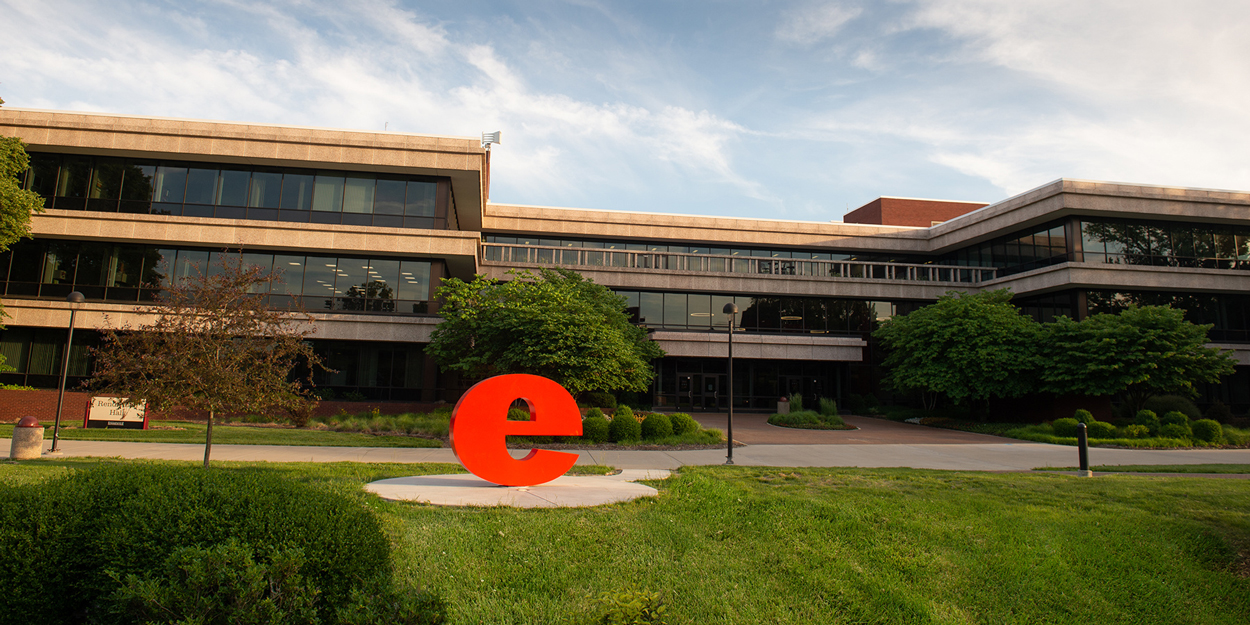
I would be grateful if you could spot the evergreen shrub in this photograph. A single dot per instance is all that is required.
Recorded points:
(656, 426)
(63, 536)
(595, 427)
(1065, 428)
(684, 424)
(1175, 430)
(1163, 404)
(595, 412)
(624, 426)
(599, 399)
(518, 414)
(1099, 429)
(1149, 419)
(1083, 416)
(809, 420)
(1219, 412)
(1208, 430)
(1176, 416)
(1136, 431)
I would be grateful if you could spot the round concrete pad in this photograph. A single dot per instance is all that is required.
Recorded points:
(568, 491)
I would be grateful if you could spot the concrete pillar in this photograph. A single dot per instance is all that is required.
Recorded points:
(27, 440)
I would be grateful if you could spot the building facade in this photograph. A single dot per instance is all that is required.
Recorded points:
(365, 226)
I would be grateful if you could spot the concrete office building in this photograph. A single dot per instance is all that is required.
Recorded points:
(365, 225)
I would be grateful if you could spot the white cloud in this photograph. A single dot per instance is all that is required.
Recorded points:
(813, 24)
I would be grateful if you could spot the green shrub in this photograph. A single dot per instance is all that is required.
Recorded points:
(1099, 429)
(61, 536)
(828, 407)
(1136, 431)
(632, 606)
(1065, 427)
(1236, 436)
(1163, 404)
(1208, 430)
(518, 414)
(1175, 430)
(382, 606)
(594, 412)
(1149, 419)
(808, 419)
(683, 424)
(1219, 412)
(1176, 416)
(354, 396)
(599, 399)
(324, 394)
(656, 426)
(624, 426)
(219, 584)
(595, 428)
(1083, 416)
(796, 402)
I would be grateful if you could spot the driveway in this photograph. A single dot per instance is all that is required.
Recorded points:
(754, 429)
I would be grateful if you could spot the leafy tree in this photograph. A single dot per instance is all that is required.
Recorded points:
(968, 347)
(1139, 352)
(214, 346)
(555, 324)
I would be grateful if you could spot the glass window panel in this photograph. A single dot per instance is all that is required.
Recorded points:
(106, 182)
(675, 309)
(92, 266)
(358, 194)
(1225, 245)
(414, 280)
(748, 312)
(389, 198)
(266, 191)
(75, 177)
(201, 185)
(125, 267)
(651, 309)
(157, 266)
(190, 265)
(232, 187)
(58, 266)
(44, 169)
(383, 279)
(27, 261)
(320, 275)
(420, 199)
(171, 184)
(264, 262)
(297, 191)
(352, 282)
(137, 181)
(15, 347)
(699, 310)
(289, 271)
(328, 193)
(719, 318)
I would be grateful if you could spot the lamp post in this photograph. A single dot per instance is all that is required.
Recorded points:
(731, 309)
(74, 298)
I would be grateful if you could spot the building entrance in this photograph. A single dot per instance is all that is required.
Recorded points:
(702, 384)
(702, 392)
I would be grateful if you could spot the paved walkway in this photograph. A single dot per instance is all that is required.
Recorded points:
(993, 456)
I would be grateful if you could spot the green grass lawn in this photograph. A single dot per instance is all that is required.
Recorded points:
(234, 435)
(768, 545)
(1162, 468)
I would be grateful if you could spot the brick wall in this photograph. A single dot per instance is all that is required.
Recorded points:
(42, 404)
(892, 211)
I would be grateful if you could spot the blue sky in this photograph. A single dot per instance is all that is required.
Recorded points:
(792, 110)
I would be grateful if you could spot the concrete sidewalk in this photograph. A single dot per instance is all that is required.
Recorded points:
(1021, 456)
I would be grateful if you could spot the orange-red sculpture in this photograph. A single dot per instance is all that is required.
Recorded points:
(480, 422)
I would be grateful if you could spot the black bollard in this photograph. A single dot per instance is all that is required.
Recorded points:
(1082, 445)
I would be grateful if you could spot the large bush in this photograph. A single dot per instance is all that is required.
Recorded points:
(1175, 430)
(808, 420)
(683, 424)
(1208, 430)
(828, 406)
(1175, 417)
(1065, 427)
(624, 426)
(656, 426)
(1149, 419)
(63, 537)
(1099, 429)
(1083, 416)
(595, 427)
(1163, 404)
(1219, 412)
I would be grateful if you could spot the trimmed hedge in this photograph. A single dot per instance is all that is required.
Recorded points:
(1065, 428)
(808, 420)
(1149, 419)
(656, 426)
(1175, 417)
(624, 427)
(1175, 430)
(1208, 430)
(1099, 429)
(684, 424)
(1163, 404)
(63, 536)
(1083, 416)
(595, 427)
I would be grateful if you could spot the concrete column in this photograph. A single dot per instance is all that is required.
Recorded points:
(27, 440)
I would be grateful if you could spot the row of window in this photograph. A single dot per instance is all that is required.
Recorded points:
(1015, 253)
(129, 273)
(1229, 315)
(1166, 244)
(698, 249)
(72, 182)
(799, 315)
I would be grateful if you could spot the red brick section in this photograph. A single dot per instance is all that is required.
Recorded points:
(894, 211)
(42, 404)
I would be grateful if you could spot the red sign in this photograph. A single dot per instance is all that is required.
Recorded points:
(479, 425)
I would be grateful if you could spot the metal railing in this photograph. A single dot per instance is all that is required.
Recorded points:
(667, 261)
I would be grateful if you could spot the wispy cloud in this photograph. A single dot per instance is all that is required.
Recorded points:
(812, 24)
